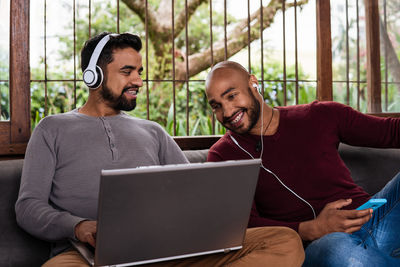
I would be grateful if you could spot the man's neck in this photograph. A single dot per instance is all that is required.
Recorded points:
(96, 108)
(270, 122)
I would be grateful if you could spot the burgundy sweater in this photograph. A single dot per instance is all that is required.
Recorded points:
(303, 154)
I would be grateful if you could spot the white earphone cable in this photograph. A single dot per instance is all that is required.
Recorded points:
(276, 177)
(261, 154)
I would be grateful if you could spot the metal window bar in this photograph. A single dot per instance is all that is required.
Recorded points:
(262, 47)
(386, 58)
(90, 18)
(284, 52)
(146, 23)
(358, 56)
(248, 36)
(173, 65)
(74, 28)
(295, 51)
(347, 55)
(118, 16)
(187, 67)
(46, 109)
(212, 59)
(225, 33)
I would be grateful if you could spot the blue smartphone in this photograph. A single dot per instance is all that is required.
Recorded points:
(373, 203)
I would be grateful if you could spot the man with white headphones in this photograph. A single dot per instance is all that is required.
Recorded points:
(303, 183)
(59, 185)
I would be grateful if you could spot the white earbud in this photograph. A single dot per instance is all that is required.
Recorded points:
(258, 88)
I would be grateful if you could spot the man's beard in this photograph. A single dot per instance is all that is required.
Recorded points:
(253, 112)
(117, 102)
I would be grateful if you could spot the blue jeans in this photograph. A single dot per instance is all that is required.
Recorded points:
(377, 243)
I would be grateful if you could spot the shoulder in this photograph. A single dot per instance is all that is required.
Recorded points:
(221, 148)
(315, 109)
(222, 143)
(57, 120)
(328, 106)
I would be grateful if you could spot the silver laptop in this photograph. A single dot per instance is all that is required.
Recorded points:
(158, 213)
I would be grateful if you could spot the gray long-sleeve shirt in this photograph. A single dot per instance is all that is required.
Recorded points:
(63, 161)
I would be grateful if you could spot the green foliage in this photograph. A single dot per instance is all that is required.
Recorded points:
(200, 115)
(60, 96)
(4, 87)
(274, 92)
(4, 101)
(393, 104)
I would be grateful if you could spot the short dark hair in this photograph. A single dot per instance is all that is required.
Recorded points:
(119, 41)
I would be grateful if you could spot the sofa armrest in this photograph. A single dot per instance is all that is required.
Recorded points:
(17, 248)
(371, 168)
(195, 156)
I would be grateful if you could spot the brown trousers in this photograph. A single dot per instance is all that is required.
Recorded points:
(264, 246)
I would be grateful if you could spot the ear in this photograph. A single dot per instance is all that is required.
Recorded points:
(253, 83)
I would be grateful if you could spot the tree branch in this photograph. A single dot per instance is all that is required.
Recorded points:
(180, 20)
(139, 8)
(237, 39)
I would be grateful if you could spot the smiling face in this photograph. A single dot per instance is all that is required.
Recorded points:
(122, 80)
(233, 99)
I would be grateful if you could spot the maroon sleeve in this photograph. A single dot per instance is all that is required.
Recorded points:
(257, 221)
(214, 156)
(222, 150)
(356, 128)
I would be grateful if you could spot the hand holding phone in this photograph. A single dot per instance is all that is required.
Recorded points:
(373, 204)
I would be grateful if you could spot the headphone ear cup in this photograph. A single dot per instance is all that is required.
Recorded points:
(99, 80)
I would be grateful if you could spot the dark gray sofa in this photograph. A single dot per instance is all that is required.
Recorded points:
(370, 168)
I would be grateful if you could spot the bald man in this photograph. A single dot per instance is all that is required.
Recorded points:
(304, 183)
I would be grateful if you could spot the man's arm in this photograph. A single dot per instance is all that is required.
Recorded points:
(358, 129)
(33, 211)
(170, 152)
(331, 219)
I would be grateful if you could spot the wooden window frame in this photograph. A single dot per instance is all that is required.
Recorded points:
(15, 133)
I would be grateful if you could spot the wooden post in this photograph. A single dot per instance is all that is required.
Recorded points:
(373, 56)
(19, 72)
(324, 51)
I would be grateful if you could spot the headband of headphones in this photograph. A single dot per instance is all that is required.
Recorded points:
(93, 75)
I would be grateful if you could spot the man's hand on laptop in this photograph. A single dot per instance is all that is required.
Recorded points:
(85, 231)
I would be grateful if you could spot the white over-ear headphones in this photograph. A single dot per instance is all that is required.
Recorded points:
(93, 75)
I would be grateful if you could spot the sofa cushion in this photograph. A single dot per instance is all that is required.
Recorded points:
(17, 248)
(371, 168)
(195, 156)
